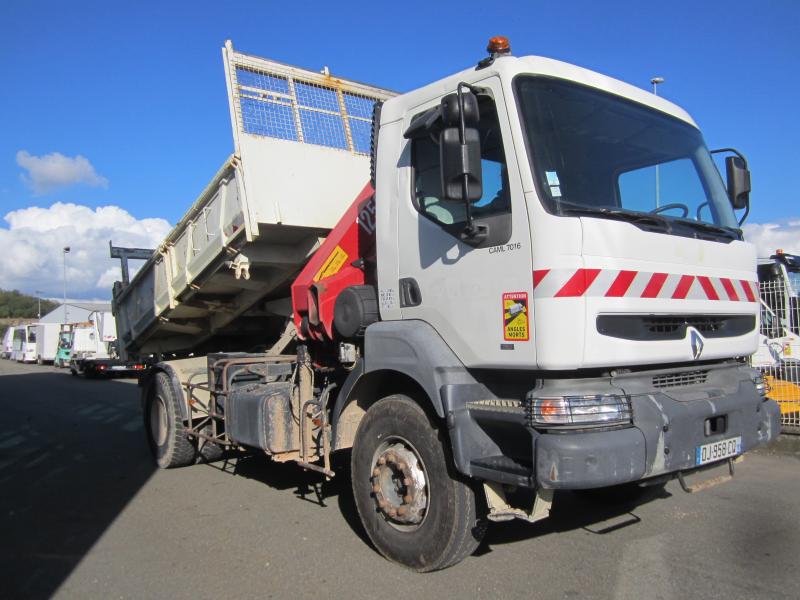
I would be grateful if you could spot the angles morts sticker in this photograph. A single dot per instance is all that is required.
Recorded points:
(515, 316)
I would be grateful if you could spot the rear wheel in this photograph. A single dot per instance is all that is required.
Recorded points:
(414, 507)
(166, 433)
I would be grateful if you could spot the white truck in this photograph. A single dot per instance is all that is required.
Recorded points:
(8, 343)
(24, 344)
(47, 336)
(93, 351)
(778, 354)
(521, 278)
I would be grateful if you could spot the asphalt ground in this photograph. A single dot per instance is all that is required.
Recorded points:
(84, 514)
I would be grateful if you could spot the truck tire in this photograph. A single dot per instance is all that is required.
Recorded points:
(166, 433)
(414, 507)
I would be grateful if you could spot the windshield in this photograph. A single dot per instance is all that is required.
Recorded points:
(593, 152)
(794, 281)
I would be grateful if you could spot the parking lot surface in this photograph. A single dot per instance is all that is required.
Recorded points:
(84, 514)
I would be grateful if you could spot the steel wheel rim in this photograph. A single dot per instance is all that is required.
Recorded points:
(400, 484)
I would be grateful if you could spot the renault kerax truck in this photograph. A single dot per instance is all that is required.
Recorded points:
(521, 278)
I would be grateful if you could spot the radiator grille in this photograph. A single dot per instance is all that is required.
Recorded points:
(673, 380)
(703, 324)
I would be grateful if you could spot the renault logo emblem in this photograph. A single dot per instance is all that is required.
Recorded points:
(697, 344)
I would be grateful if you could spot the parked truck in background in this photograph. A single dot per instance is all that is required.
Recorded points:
(47, 335)
(479, 288)
(778, 354)
(8, 343)
(93, 351)
(779, 281)
(24, 344)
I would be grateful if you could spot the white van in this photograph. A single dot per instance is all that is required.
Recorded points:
(8, 343)
(24, 344)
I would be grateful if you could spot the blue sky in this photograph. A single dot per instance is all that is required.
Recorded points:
(138, 90)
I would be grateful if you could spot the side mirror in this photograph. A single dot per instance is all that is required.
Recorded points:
(460, 148)
(738, 176)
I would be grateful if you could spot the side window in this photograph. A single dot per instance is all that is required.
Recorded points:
(451, 214)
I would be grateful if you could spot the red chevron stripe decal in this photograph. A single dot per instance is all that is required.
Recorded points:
(578, 283)
(612, 283)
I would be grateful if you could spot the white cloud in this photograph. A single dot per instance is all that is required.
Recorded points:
(31, 255)
(53, 171)
(769, 237)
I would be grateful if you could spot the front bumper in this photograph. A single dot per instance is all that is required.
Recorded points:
(667, 428)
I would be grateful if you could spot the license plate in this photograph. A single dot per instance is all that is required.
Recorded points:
(119, 368)
(715, 451)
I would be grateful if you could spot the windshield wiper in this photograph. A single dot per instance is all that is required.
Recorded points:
(615, 213)
(726, 231)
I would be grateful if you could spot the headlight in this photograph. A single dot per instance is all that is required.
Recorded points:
(606, 409)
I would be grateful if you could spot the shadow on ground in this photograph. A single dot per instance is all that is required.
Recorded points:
(599, 514)
(307, 486)
(72, 455)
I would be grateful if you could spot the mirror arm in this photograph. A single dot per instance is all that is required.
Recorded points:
(746, 212)
(746, 166)
(732, 151)
(471, 232)
(462, 135)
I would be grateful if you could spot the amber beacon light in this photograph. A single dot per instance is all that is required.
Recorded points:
(499, 45)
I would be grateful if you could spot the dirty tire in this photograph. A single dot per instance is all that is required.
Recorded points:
(166, 434)
(453, 524)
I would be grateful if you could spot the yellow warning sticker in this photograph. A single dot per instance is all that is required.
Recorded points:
(515, 316)
(333, 264)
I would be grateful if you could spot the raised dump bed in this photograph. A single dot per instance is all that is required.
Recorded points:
(301, 155)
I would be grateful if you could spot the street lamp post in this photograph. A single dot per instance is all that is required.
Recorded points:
(655, 81)
(64, 256)
(39, 303)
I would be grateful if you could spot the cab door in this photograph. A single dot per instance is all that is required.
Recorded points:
(477, 297)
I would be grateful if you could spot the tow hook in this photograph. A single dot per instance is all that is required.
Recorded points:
(708, 483)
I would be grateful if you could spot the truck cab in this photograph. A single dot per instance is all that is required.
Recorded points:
(604, 215)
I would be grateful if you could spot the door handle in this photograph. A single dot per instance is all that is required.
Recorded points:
(410, 294)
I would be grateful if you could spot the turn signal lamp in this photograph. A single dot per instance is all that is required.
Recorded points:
(499, 44)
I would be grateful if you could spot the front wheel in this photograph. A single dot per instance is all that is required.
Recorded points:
(414, 507)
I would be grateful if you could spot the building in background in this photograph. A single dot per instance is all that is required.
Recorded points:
(76, 312)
